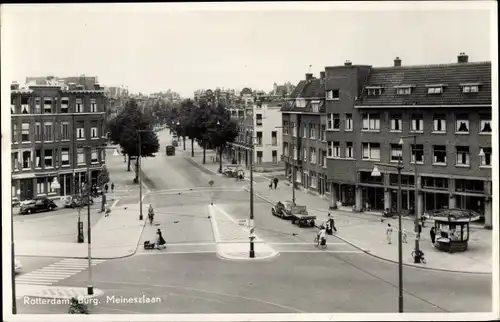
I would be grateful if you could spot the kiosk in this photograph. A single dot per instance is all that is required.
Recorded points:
(452, 228)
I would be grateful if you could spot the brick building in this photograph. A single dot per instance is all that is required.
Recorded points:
(304, 127)
(51, 124)
(447, 107)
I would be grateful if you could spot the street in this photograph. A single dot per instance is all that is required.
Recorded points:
(189, 276)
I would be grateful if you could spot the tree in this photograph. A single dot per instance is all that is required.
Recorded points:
(225, 132)
(124, 131)
(102, 179)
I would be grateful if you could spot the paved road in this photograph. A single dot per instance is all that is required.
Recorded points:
(188, 277)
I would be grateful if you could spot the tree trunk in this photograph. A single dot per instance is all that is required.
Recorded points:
(184, 143)
(137, 170)
(220, 160)
(204, 153)
(192, 148)
(128, 165)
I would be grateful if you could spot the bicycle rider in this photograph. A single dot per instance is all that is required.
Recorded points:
(321, 235)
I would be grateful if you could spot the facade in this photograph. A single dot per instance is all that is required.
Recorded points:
(445, 108)
(304, 142)
(239, 151)
(52, 128)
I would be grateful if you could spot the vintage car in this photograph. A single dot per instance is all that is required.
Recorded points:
(170, 150)
(283, 209)
(76, 201)
(38, 204)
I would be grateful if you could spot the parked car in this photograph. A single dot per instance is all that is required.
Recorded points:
(175, 143)
(37, 205)
(75, 201)
(283, 209)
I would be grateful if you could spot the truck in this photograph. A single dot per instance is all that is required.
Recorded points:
(170, 150)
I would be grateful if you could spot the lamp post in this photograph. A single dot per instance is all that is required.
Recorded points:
(220, 154)
(252, 249)
(417, 258)
(139, 171)
(376, 173)
(13, 260)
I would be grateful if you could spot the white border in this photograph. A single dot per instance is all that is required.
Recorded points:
(249, 6)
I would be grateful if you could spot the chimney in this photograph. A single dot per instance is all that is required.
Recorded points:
(309, 76)
(347, 63)
(322, 75)
(14, 86)
(462, 58)
(397, 62)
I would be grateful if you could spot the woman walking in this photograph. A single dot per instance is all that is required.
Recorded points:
(160, 242)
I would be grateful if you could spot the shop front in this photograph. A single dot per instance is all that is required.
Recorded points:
(372, 198)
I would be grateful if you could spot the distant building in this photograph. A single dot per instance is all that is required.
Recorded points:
(52, 123)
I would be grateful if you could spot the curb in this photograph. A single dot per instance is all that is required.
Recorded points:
(368, 252)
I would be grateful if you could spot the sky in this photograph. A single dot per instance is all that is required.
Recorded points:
(154, 47)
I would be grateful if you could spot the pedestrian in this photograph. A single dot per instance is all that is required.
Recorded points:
(112, 186)
(271, 184)
(433, 236)
(160, 242)
(405, 236)
(388, 234)
(330, 224)
(107, 210)
(422, 220)
(106, 187)
(275, 181)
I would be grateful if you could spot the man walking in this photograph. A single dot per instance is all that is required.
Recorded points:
(433, 236)
(106, 187)
(275, 181)
(112, 187)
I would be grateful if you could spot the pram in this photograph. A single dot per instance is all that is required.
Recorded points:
(149, 245)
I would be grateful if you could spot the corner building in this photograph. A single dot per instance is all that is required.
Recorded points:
(52, 125)
(445, 108)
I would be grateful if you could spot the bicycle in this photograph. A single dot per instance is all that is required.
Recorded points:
(422, 257)
(318, 244)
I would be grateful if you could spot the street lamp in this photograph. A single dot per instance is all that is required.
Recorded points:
(417, 258)
(139, 172)
(252, 237)
(376, 173)
(481, 153)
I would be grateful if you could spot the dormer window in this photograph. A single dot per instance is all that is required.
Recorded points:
(470, 88)
(435, 89)
(403, 90)
(374, 91)
(300, 102)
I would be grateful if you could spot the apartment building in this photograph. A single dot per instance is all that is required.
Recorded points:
(446, 108)
(241, 111)
(52, 125)
(304, 130)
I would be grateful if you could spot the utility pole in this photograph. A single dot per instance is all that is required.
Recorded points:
(252, 250)
(13, 266)
(90, 288)
(141, 217)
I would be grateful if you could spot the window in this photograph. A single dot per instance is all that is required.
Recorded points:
(65, 131)
(259, 157)
(374, 91)
(396, 152)
(25, 132)
(314, 179)
(396, 124)
(65, 157)
(80, 131)
(470, 88)
(93, 132)
(12, 105)
(15, 161)
(334, 122)
(305, 154)
(324, 158)
(462, 124)
(40, 186)
(417, 152)
(94, 156)
(259, 138)
(38, 132)
(348, 122)
(312, 131)
(79, 105)
(312, 155)
(417, 123)
(93, 105)
(48, 132)
(15, 133)
(47, 159)
(285, 149)
(294, 129)
(439, 154)
(463, 156)
(81, 156)
(295, 152)
(38, 105)
(330, 149)
(259, 119)
(274, 138)
(285, 127)
(47, 105)
(371, 151)
(38, 158)
(485, 123)
(300, 102)
(349, 151)
(323, 132)
(336, 149)
(275, 156)
(64, 105)
(26, 160)
(435, 90)
(333, 94)
(315, 106)
(439, 125)
(371, 122)
(403, 90)
(486, 159)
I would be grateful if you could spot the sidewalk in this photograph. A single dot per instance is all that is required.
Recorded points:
(115, 236)
(233, 240)
(119, 175)
(367, 232)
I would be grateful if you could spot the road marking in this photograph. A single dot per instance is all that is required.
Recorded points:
(322, 251)
(114, 203)
(306, 244)
(185, 252)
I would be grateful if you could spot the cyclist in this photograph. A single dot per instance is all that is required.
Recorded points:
(321, 236)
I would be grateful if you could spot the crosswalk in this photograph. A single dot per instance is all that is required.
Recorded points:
(56, 272)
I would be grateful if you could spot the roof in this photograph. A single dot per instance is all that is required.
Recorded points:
(315, 88)
(420, 77)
